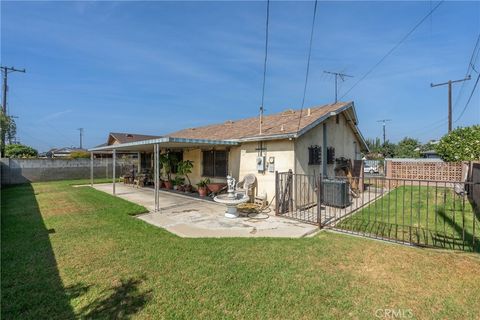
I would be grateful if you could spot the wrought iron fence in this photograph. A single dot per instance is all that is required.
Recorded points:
(297, 196)
(418, 212)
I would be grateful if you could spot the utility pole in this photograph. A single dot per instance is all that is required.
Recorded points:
(5, 71)
(337, 75)
(384, 121)
(81, 137)
(449, 83)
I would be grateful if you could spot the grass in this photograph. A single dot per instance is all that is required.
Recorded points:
(74, 252)
(424, 215)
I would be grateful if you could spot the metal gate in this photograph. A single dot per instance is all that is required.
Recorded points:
(298, 196)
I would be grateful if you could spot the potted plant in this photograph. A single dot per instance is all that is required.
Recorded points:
(202, 187)
(178, 183)
(184, 168)
(167, 161)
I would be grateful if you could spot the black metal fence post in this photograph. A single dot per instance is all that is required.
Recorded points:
(277, 193)
(319, 200)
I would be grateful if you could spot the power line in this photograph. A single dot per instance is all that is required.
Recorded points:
(308, 63)
(338, 75)
(470, 67)
(264, 66)
(393, 48)
(469, 98)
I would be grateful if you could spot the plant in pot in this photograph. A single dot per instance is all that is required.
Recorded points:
(167, 161)
(178, 183)
(184, 168)
(202, 187)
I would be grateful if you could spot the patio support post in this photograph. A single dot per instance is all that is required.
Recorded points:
(156, 175)
(91, 169)
(139, 165)
(114, 157)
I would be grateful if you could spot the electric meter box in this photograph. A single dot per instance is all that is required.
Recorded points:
(260, 164)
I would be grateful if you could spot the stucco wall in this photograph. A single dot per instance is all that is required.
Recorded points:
(340, 136)
(281, 150)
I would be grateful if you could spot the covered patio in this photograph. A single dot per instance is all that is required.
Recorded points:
(192, 218)
(154, 148)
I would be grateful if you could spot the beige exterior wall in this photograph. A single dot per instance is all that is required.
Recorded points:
(340, 136)
(284, 159)
(242, 161)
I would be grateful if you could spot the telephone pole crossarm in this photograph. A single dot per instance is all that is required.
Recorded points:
(449, 83)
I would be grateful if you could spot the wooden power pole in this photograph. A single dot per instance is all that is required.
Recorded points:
(449, 83)
(5, 71)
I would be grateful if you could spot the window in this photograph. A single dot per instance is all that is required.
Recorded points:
(215, 163)
(330, 155)
(314, 155)
(176, 157)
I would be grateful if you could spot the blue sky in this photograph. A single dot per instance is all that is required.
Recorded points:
(155, 67)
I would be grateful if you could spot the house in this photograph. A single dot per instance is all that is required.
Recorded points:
(307, 141)
(62, 153)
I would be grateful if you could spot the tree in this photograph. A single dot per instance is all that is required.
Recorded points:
(408, 148)
(388, 149)
(462, 144)
(20, 151)
(9, 129)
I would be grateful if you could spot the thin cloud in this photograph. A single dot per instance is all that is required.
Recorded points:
(55, 115)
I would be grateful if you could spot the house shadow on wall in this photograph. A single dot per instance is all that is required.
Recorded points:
(31, 286)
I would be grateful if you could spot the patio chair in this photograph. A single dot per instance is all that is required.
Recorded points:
(247, 185)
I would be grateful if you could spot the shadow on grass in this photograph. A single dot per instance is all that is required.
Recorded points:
(31, 286)
(119, 302)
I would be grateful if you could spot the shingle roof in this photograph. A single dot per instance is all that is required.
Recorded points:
(122, 137)
(275, 124)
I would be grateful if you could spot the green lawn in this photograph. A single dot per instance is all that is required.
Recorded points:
(420, 214)
(73, 252)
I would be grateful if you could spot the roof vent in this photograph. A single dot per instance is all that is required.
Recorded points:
(309, 112)
(228, 122)
(282, 128)
(128, 135)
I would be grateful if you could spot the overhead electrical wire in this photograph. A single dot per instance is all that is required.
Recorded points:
(266, 55)
(308, 63)
(393, 48)
(469, 99)
(471, 66)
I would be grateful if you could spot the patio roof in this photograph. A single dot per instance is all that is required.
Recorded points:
(165, 142)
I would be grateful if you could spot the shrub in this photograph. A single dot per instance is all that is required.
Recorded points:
(462, 144)
(20, 151)
(79, 154)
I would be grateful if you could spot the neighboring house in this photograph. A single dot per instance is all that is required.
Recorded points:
(63, 152)
(121, 137)
(305, 141)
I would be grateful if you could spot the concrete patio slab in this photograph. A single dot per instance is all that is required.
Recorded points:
(192, 218)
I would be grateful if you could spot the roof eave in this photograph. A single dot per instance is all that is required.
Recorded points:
(164, 140)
